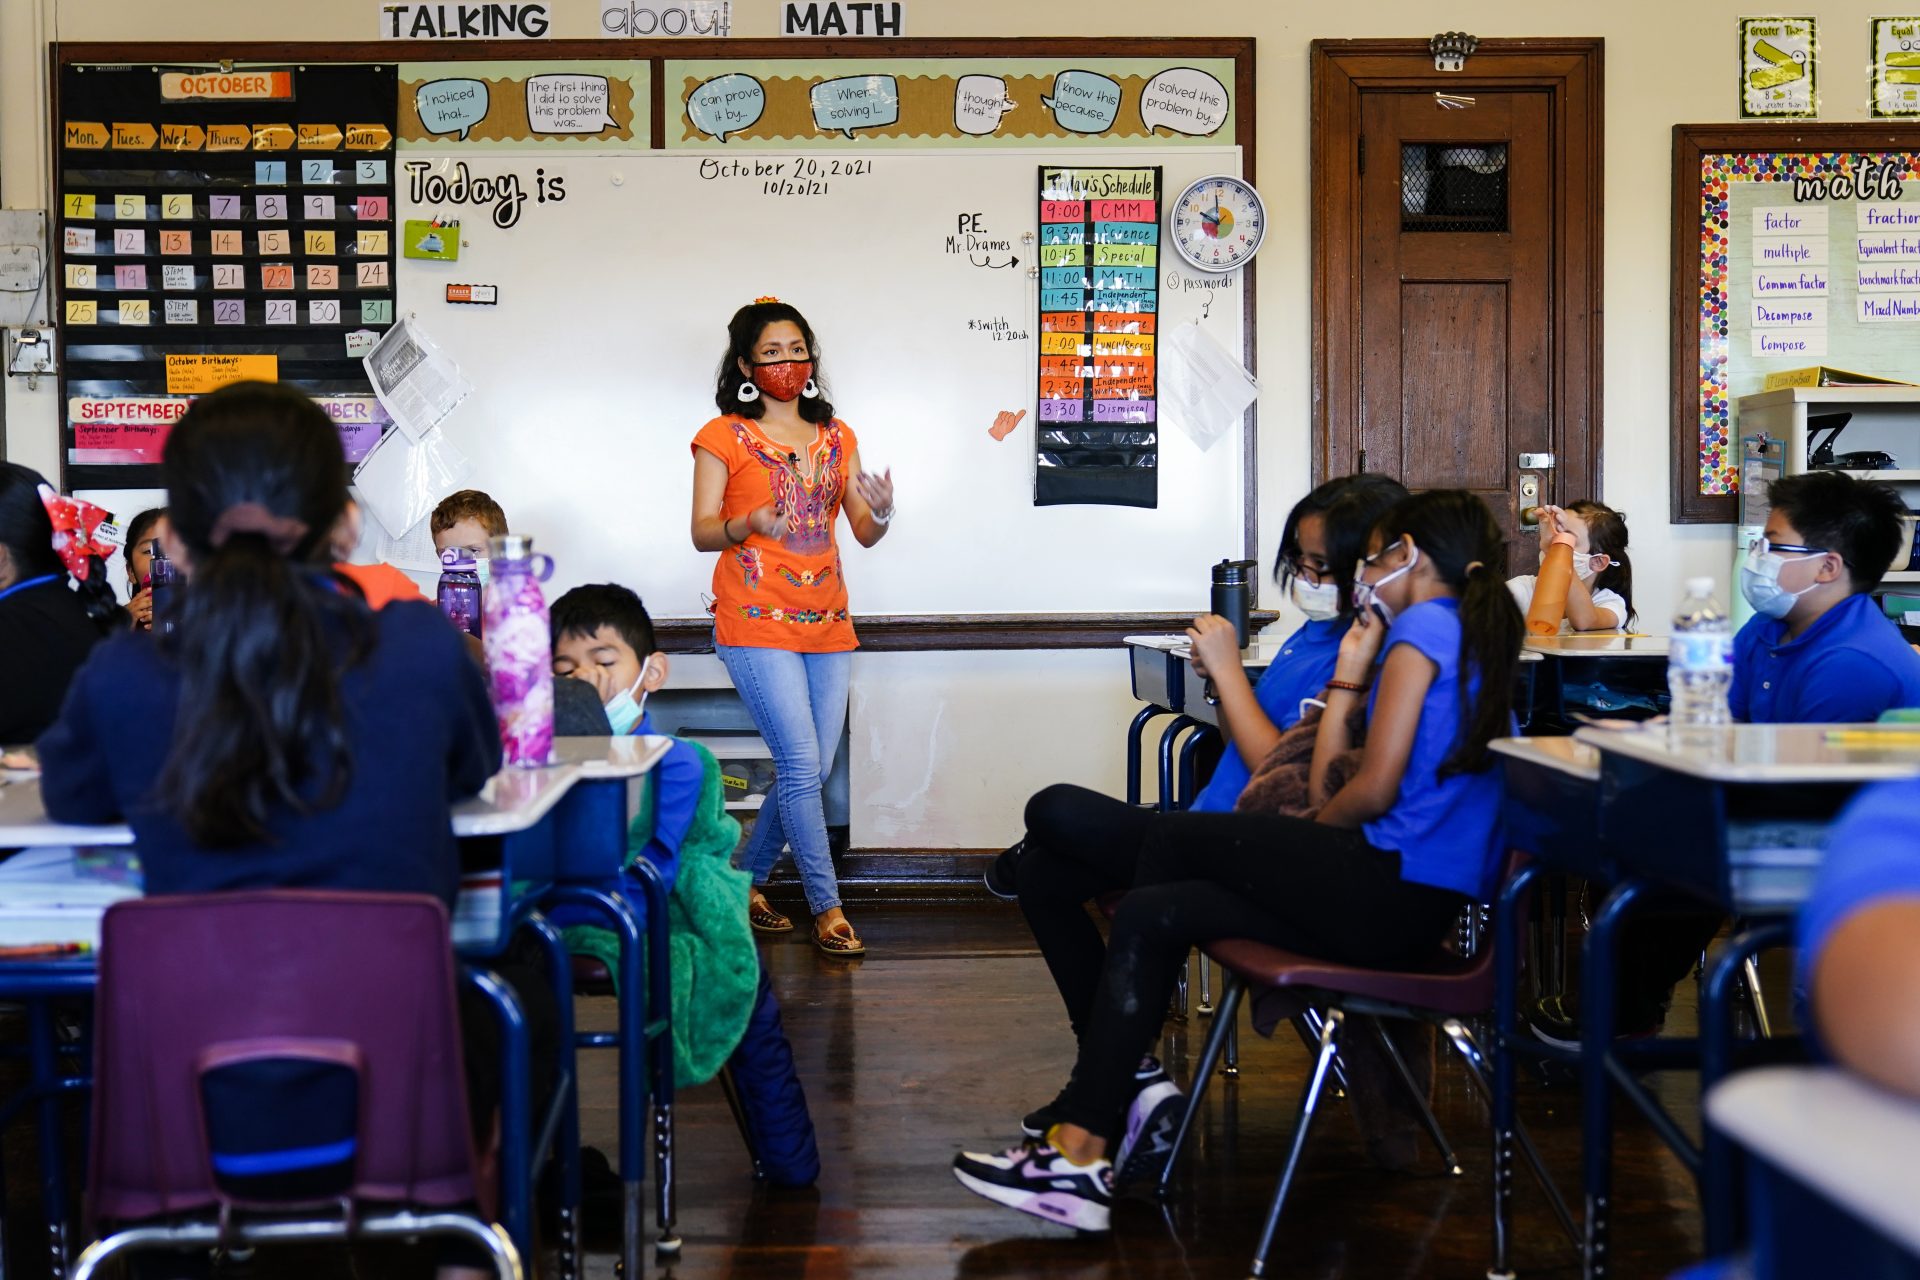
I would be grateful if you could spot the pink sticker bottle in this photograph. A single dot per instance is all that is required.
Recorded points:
(519, 649)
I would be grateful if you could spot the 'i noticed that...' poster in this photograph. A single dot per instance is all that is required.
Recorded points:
(1099, 311)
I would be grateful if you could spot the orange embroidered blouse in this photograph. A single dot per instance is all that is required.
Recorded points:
(786, 592)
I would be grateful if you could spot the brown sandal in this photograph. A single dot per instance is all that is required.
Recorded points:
(840, 940)
(763, 918)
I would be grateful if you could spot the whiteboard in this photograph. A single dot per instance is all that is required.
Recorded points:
(596, 367)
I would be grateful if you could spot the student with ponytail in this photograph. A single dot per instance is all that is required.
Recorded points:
(1377, 878)
(49, 619)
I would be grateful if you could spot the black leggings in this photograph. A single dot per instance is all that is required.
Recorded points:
(1320, 890)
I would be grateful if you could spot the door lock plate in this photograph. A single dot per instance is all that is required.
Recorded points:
(1529, 503)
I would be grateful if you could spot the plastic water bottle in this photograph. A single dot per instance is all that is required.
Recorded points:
(162, 578)
(459, 591)
(519, 650)
(1700, 660)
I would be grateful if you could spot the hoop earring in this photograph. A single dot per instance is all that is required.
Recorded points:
(747, 393)
(812, 390)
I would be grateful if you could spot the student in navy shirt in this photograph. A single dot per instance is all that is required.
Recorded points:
(48, 624)
(1859, 938)
(283, 734)
(1081, 844)
(1376, 879)
(1818, 649)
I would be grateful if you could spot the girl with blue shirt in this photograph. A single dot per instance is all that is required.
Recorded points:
(1376, 879)
(1081, 844)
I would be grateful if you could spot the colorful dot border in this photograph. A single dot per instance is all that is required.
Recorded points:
(1719, 460)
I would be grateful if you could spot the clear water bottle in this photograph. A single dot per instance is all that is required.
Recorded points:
(1700, 659)
(162, 578)
(520, 650)
(459, 591)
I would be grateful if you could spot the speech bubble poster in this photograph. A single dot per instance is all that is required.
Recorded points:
(515, 104)
(923, 103)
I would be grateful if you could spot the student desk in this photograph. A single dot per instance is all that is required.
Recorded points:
(1732, 818)
(1832, 1169)
(1164, 679)
(1580, 653)
(517, 807)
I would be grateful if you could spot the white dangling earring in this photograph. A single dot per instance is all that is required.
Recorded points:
(812, 390)
(748, 393)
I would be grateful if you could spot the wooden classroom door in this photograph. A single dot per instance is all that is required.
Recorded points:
(1457, 300)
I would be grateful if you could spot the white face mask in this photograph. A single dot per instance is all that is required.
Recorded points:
(1583, 567)
(1318, 600)
(623, 713)
(1366, 595)
(1760, 580)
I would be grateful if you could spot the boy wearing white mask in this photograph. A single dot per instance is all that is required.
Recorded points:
(1600, 597)
(1818, 649)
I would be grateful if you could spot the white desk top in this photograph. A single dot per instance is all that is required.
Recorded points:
(1834, 1132)
(1260, 653)
(1562, 755)
(1750, 753)
(513, 800)
(1599, 644)
(627, 757)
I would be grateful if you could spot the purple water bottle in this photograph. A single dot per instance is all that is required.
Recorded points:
(520, 650)
(459, 592)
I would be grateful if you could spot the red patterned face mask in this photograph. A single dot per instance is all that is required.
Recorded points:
(783, 379)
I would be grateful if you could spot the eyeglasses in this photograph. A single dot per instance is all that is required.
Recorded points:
(1306, 566)
(1764, 544)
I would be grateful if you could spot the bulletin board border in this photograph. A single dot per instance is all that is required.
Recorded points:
(1021, 631)
(1701, 416)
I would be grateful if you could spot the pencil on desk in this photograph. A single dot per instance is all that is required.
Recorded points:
(1872, 737)
(45, 950)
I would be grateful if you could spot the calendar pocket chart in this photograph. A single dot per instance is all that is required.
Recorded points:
(218, 229)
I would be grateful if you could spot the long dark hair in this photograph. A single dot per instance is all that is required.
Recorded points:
(26, 531)
(256, 481)
(1607, 535)
(743, 334)
(1455, 531)
(1356, 509)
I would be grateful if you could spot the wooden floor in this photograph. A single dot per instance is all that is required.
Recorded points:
(942, 1038)
(950, 1030)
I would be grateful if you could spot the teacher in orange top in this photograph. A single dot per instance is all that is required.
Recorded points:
(771, 476)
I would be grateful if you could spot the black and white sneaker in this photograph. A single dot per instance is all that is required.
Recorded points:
(1148, 1142)
(1001, 872)
(1042, 1182)
(1034, 1125)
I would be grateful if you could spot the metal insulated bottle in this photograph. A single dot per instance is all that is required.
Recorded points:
(1233, 594)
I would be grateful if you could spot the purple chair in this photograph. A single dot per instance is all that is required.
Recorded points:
(1451, 990)
(281, 1066)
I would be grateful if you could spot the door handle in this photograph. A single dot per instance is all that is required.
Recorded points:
(1529, 502)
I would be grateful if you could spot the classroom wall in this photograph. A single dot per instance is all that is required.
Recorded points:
(1007, 720)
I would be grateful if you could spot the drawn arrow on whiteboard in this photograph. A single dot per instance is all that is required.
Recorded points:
(991, 265)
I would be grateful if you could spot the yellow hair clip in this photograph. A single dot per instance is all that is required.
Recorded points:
(765, 297)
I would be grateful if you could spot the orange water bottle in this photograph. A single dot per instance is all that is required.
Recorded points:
(1549, 605)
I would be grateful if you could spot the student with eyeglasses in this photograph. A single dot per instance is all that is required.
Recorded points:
(1818, 649)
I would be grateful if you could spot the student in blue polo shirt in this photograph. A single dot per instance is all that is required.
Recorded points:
(1859, 937)
(1377, 878)
(1081, 844)
(1818, 649)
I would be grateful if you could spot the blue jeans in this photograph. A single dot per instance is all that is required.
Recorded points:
(798, 701)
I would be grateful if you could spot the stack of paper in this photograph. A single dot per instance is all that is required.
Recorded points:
(51, 896)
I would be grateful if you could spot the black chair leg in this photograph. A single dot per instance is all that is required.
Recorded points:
(1230, 995)
(1322, 1063)
(731, 1092)
(1427, 1118)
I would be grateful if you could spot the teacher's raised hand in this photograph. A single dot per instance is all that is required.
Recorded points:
(877, 492)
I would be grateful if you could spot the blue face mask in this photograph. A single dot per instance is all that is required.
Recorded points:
(624, 712)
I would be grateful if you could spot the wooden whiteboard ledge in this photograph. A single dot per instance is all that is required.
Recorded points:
(911, 633)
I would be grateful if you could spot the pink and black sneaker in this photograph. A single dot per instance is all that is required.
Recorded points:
(1041, 1182)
